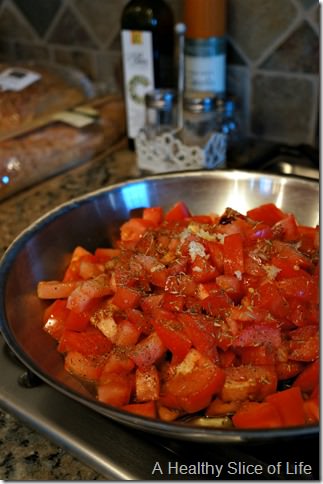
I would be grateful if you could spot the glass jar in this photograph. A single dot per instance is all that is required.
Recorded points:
(161, 112)
(199, 117)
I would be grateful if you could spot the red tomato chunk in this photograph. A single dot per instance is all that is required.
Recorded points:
(196, 314)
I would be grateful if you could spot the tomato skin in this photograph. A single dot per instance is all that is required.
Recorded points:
(267, 213)
(55, 318)
(90, 342)
(133, 229)
(171, 333)
(126, 298)
(290, 406)
(178, 212)
(255, 415)
(300, 287)
(146, 409)
(153, 214)
(308, 379)
(116, 390)
(233, 260)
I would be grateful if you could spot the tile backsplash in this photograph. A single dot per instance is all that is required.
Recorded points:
(272, 54)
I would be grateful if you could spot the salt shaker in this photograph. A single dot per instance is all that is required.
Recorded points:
(199, 117)
(161, 112)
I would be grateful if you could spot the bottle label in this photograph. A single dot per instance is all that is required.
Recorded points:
(205, 65)
(138, 69)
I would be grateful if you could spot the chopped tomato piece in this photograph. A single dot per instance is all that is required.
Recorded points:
(289, 404)
(148, 351)
(55, 318)
(82, 366)
(170, 331)
(153, 214)
(233, 259)
(308, 379)
(177, 212)
(246, 382)
(90, 342)
(147, 409)
(134, 229)
(116, 390)
(268, 213)
(126, 298)
(147, 384)
(254, 415)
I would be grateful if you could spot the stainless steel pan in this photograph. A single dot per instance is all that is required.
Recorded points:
(41, 251)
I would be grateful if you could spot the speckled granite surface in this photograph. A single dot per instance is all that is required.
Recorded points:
(24, 453)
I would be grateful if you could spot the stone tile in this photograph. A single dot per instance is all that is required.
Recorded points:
(76, 58)
(12, 26)
(6, 50)
(104, 17)
(69, 31)
(299, 53)
(282, 108)
(39, 13)
(255, 25)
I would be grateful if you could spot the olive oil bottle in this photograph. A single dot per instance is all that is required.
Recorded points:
(147, 37)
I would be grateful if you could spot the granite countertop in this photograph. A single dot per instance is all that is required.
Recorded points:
(24, 453)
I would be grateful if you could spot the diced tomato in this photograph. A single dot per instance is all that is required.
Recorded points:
(304, 344)
(308, 379)
(191, 389)
(233, 260)
(104, 254)
(269, 297)
(80, 321)
(72, 271)
(148, 351)
(312, 409)
(288, 369)
(289, 404)
(82, 366)
(126, 298)
(257, 355)
(218, 408)
(232, 286)
(173, 302)
(55, 318)
(177, 212)
(146, 409)
(258, 334)
(286, 229)
(90, 342)
(81, 296)
(202, 271)
(201, 332)
(268, 213)
(246, 382)
(299, 287)
(127, 333)
(215, 250)
(147, 384)
(170, 331)
(117, 361)
(116, 390)
(257, 415)
(56, 289)
(134, 229)
(153, 214)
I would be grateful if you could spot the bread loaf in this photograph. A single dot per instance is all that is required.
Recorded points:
(47, 95)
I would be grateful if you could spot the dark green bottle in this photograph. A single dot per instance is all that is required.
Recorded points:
(147, 34)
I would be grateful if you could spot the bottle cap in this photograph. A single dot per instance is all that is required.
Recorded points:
(205, 18)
